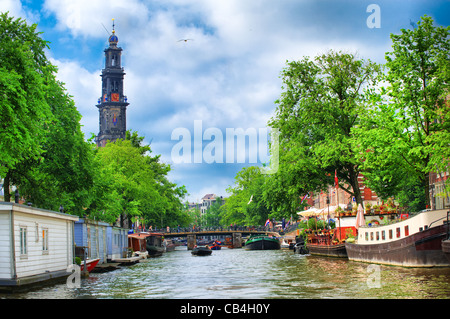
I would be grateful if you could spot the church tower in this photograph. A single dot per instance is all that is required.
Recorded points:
(112, 105)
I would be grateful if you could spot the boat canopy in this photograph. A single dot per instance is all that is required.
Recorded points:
(321, 212)
(309, 212)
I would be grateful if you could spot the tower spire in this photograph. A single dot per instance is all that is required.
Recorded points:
(112, 104)
(113, 39)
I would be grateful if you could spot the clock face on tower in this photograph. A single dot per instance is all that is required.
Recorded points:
(114, 97)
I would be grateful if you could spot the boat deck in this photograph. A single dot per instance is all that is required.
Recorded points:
(129, 260)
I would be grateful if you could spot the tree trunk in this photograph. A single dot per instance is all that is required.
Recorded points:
(6, 192)
(355, 186)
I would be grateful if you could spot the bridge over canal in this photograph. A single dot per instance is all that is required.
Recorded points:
(236, 235)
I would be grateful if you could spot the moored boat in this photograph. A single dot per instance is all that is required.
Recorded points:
(413, 242)
(216, 245)
(329, 250)
(201, 251)
(300, 247)
(90, 264)
(169, 245)
(446, 248)
(154, 244)
(262, 242)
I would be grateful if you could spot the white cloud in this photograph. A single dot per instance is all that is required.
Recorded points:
(16, 10)
(84, 17)
(81, 84)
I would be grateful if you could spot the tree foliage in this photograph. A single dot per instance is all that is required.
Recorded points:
(133, 183)
(24, 74)
(246, 205)
(406, 134)
(321, 102)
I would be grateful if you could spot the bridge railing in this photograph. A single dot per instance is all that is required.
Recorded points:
(174, 230)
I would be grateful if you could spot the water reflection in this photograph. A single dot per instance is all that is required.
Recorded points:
(237, 273)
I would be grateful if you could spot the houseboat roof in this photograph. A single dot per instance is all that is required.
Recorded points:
(8, 206)
(144, 235)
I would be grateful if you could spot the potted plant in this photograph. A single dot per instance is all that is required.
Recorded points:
(368, 207)
(376, 209)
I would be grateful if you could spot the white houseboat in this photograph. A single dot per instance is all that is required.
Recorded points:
(412, 242)
(35, 244)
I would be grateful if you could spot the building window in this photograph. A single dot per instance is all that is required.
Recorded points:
(371, 235)
(23, 241)
(45, 240)
(390, 233)
(367, 236)
(378, 235)
(398, 232)
(406, 230)
(383, 234)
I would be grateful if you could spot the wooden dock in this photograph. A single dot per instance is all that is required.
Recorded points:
(129, 260)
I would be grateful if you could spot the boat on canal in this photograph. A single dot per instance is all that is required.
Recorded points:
(416, 241)
(446, 242)
(331, 242)
(90, 264)
(262, 242)
(216, 245)
(154, 244)
(169, 245)
(446, 248)
(203, 250)
(325, 247)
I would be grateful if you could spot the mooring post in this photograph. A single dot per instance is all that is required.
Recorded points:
(191, 241)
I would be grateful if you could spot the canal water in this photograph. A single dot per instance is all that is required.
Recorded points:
(238, 273)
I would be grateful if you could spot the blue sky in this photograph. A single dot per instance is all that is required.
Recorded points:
(226, 77)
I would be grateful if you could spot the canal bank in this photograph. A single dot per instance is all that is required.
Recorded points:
(242, 274)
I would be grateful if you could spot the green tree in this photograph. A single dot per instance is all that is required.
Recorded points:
(131, 183)
(406, 134)
(321, 102)
(246, 206)
(24, 74)
(63, 175)
(213, 213)
(43, 149)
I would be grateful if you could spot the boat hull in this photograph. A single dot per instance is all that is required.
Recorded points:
(328, 250)
(90, 264)
(262, 244)
(201, 251)
(154, 245)
(422, 249)
(154, 251)
(446, 248)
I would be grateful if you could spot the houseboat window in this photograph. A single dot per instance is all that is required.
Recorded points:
(398, 232)
(383, 234)
(371, 235)
(45, 240)
(406, 230)
(378, 235)
(390, 233)
(23, 241)
(367, 236)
